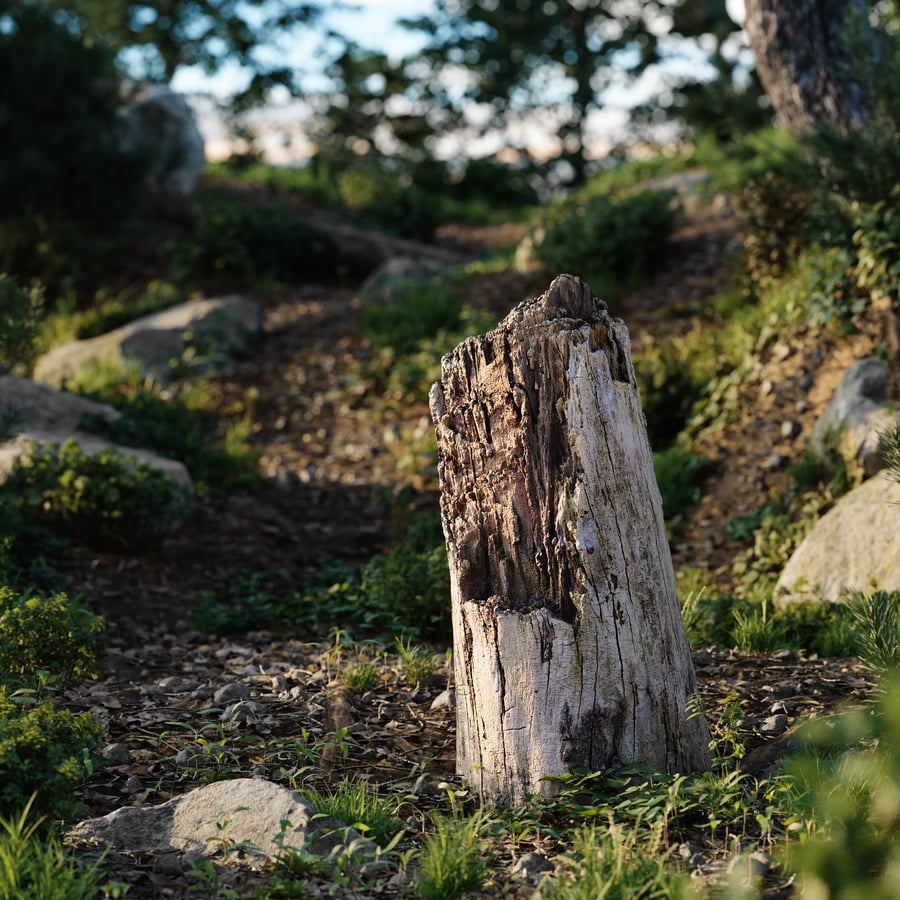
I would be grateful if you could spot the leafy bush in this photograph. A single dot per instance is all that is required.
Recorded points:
(417, 313)
(52, 633)
(237, 240)
(172, 427)
(845, 784)
(65, 188)
(678, 472)
(610, 240)
(389, 200)
(19, 322)
(774, 229)
(45, 752)
(100, 499)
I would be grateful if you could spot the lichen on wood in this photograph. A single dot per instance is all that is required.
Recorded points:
(569, 648)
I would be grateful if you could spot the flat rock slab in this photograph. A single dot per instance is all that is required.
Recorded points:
(41, 414)
(854, 546)
(224, 323)
(263, 817)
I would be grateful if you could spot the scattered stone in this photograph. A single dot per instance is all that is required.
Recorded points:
(444, 700)
(133, 784)
(855, 418)
(243, 711)
(781, 351)
(236, 690)
(778, 708)
(776, 461)
(774, 725)
(116, 754)
(790, 429)
(177, 684)
(529, 867)
(766, 388)
(226, 323)
(853, 546)
(247, 811)
(755, 865)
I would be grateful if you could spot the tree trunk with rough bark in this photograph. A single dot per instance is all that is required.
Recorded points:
(569, 648)
(801, 60)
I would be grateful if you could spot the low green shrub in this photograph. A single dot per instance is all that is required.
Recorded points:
(454, 858)
(235, 240)
(609, 241)
(253, 600)
(359, 804)
(844, 792)
(417, 312)
(678, 473)
(775, 227)
(876, 623)
(22, 309)
(101, 500)
(169, 424)
(389, 200)
(51, 633)
(44, 752)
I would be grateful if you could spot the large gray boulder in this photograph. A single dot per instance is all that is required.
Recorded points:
(854, 420)
(39, 413)
(159, 125)
(261, 816)
(223, 325)
(854, 546)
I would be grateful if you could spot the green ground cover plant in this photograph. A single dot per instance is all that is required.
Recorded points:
(608, 241)
(51, 634)
(103, 500)
(360, 805)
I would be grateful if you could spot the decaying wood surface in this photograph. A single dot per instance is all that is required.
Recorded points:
(569, 648)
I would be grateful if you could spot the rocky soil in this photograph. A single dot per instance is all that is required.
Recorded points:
(329, 457)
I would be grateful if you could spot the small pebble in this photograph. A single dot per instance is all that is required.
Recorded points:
(776, 461)
(133, 785)
(790, 429)
(774, 725)
(116, 754)
(444, 700)
(237, 690)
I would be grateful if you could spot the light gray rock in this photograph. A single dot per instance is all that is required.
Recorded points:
(855, 418)
(226, 323)
(853, 546)
(46, 416)
(159, 124)
(198, 823)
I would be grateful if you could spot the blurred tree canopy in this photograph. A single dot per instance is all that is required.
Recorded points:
(560, 60)
(154, 38)
(515, 57)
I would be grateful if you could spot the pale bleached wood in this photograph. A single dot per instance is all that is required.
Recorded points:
(569, 648)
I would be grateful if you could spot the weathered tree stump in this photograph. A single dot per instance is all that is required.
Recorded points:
(570, 651)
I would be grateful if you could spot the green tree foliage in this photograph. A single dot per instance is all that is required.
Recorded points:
(518, 56)
(728, 104)
(65, 189)
(155, 39)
